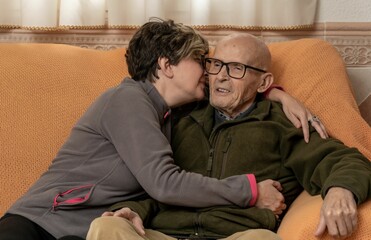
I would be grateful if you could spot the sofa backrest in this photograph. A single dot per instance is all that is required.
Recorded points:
(313, 71)
(45, 88)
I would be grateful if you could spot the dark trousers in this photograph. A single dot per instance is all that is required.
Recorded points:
(16, 227)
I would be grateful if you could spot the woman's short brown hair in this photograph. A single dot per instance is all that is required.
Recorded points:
(159, 38)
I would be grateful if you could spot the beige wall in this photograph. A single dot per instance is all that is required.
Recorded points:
(356, 49)
(343, 11)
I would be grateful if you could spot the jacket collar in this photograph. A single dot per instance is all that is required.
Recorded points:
(205, 115)
(157, 100)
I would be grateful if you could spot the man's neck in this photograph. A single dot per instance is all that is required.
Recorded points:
(221, 117)
(235, 114)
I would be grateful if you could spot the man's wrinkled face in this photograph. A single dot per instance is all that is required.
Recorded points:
(230, 95)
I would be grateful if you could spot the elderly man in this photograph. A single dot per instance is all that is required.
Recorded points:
(241, 132)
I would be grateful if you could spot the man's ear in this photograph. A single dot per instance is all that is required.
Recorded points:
(165, 67)
(266, 81)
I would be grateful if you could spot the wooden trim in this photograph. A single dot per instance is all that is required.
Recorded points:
(351, 39)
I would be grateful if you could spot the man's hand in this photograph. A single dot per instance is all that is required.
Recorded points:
(269, 196)
(338, 214)
(130, 215)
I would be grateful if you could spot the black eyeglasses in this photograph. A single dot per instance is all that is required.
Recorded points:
(234, 69)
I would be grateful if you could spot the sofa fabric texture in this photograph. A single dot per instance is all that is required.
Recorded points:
(45, 88)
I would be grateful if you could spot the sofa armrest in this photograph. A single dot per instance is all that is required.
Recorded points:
(45, 88)
(302, 218)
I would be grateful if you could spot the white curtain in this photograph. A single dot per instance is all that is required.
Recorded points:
(88, 14)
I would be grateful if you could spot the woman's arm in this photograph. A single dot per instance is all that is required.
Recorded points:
(296, 112)
(132, 124)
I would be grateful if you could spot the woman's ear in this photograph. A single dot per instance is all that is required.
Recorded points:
(266, 81)
(165, 67)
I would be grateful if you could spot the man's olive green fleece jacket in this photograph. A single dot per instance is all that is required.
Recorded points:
(264, 143)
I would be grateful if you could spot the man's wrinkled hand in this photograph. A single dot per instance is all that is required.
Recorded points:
(338, 214)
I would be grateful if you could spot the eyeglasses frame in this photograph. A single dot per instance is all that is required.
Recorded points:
(227, 67)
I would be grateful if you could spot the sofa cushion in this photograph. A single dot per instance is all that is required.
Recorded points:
(302, 220)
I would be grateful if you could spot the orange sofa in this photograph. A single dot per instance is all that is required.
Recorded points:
(46, 87)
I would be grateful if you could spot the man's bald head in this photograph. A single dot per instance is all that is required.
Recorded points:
(249, 45)
(238, 71)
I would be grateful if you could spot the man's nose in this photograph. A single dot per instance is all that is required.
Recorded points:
(223, 74)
